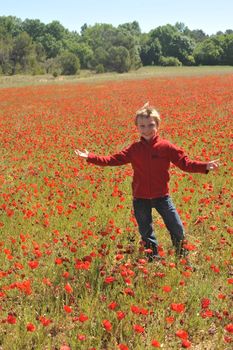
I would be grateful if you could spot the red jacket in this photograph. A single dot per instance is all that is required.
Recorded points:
(151, 162)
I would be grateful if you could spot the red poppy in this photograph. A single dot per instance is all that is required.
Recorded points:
(138, 328)
(155, 344)
(44, 321)
(67, 309)
(68, 288)
(33, 264)
(120, 315)
(123, 347)
(182, 334)
(81, 337)
(112, 305)
(11, 319)
(31, 327)
(186, 343)
(178, 307)
(107, 325)
(205, 303)
(229, 328)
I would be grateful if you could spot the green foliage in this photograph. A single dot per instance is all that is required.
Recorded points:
(99, 69)
(22, 53)
(181, 47)
(34, 27)
(85, 54)
(169, 61)
(69, 62)
(10, 25)
(151, 52)
(227, 56)
(165, 36)
(209, 52)
(119, 59)
(52, 47)
(28, 46)
(56, 30)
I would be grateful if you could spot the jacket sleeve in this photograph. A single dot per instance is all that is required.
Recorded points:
(121, 158)
(182, 161)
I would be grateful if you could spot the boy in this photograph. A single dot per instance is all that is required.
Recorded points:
(150, 158)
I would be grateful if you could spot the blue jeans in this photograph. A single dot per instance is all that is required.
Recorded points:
(168, 212)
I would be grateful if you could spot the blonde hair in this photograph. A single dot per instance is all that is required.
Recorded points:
(147, 111)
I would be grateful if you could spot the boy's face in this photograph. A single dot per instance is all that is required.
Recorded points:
(147, 127)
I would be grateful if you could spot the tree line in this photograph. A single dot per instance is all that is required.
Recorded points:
(32, 47)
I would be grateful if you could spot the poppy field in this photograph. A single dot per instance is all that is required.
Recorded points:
(73, 272)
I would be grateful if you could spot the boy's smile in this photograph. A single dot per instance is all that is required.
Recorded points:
(147, 127)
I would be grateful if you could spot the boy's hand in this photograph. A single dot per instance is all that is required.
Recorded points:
(213, 165)
(83, 154)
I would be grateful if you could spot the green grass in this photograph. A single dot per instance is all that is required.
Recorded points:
(88, 76)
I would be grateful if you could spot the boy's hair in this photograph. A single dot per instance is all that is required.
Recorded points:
(147, 111)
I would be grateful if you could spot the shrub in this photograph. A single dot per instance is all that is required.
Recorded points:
(99, 68)
(169, 61)
(69, 63)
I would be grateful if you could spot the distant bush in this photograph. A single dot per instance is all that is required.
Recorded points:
(169, 61)
(99, 69)
(69, 63)
(189, 60)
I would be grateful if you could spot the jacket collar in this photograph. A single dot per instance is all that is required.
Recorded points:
(151, 141)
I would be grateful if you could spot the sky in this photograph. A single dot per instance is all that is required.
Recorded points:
(209, 15)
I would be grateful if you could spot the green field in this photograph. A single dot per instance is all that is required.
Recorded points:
(88, 76)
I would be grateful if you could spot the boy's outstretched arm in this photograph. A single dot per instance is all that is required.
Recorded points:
(120, 158)
(82, 154)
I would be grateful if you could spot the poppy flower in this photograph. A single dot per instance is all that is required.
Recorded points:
(67, 309)
(138, 328)
(68, 288)
(186, 343)
(182, 334)
(107, 325)
(120, 315)
(155, 344)
(31, 327)
(178, 307)
(11, 319)
(123, 347)
(229, 328)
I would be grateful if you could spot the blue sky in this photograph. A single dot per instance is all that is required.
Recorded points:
(208, 15)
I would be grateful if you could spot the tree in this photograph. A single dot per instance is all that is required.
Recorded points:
(69, 62)
(208, 52)
(100, 56)
(198, 35)
(132, 27)
(181, 47)
(226, 42)
(85, 54)
(22, 53)
(101, 38)
(165, 35)
(56, 30)
(34, 27)
(52, 46)
(119, 59)
(10, 25)
(151, 52)
(181, 27)
(173, 42)
(6, 45)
